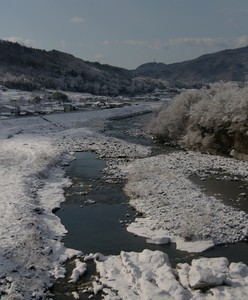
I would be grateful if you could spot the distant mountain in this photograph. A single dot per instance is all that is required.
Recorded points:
(227, 65)
(28, 69)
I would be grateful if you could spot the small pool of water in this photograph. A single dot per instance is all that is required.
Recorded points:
(232, 192)
(86, 167)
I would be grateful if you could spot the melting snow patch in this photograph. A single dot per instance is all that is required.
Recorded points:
(194, 245)
(89, 201)
(75, 295)
(78, 271)
(145, 275)
(148, 275)
(159, 241)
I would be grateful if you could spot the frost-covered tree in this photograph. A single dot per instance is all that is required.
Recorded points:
(170, 123)
(213, 120)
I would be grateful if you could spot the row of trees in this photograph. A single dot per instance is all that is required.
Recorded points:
(98, 86)
(212, 120)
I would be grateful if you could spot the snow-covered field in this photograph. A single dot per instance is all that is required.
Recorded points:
(33, 152)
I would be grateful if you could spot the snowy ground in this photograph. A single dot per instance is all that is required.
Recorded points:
(33, 151)
(174, 206)
(148, 275)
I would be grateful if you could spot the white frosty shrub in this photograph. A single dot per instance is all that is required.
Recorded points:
(214, 119)
(170, 122)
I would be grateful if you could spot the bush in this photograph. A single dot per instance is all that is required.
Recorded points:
(60, 96)
(213, 120)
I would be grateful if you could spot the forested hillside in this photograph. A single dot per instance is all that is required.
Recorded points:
(227, 65)
(29, 69)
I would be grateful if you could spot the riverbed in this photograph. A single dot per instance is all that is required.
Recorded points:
(96, 211)
(160, 201)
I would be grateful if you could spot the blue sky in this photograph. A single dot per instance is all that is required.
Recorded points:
(127, 33)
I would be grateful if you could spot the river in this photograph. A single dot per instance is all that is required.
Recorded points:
(96, 218)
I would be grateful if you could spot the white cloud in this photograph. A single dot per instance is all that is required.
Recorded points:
(208, 42)
(23, 41)
(185, 41)
(62, 44)
(134, 42)
(76, 20)
(157, 44)
(201, 42)
(126, 42)
(197, 42)
(242, 41)
(99, 57)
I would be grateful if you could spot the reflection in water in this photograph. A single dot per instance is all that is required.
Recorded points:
(87, 166)
(232, 192)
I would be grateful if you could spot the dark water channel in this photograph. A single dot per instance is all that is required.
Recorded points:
(96, 212)
(232, 192)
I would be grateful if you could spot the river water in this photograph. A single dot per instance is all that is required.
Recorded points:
(96, 218)
(96, 221)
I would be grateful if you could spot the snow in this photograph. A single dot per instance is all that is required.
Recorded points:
(78, 271)
(29, 231)
(75, 295)
(148, 275)
(89, 201)
(193, 246)
(174, 207)
(215, 276)
(33, 153)
(147, 227)
(159, 241)
(145, 275)
(205, 273)
(238, 270)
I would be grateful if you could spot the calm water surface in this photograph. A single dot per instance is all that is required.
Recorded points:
(232, 192)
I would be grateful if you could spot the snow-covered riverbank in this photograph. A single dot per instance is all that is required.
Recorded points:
(148, 275)
(33, 151)
(31, 185)
(158, 186)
